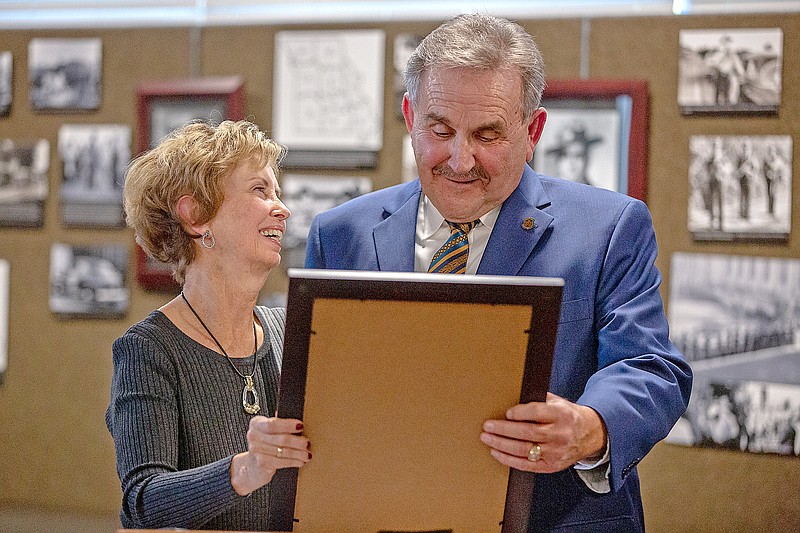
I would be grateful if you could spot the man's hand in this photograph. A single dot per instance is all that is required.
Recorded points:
(546, 436)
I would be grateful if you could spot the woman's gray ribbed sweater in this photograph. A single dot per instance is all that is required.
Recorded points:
(176, 417)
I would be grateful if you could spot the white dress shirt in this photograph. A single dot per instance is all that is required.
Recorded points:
(433, 231)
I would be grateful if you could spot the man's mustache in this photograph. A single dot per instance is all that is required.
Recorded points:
(475, 173)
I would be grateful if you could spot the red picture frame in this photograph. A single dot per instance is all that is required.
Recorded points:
(163, 105)
(588, 90)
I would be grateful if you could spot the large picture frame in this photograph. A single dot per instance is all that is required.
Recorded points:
(618, 120)
(371, 379)
(162, 106)
(735, 319)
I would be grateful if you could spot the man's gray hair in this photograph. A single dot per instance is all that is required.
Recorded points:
(480, 41)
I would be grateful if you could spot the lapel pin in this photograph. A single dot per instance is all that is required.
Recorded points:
(528, 223)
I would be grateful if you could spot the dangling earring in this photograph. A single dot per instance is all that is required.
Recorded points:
(206, 235)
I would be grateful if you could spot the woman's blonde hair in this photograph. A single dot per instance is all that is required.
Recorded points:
(193, 160)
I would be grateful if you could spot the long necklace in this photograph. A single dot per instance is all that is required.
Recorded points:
(249, 390)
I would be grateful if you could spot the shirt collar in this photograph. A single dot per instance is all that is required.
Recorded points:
(432, 220)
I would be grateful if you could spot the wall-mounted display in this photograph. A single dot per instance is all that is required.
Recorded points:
(4, 290)
(328, 97)
(88, 281)
(6, 71)
(306, 196)
(23, 182)
(730, 70)
(737, 320)
(740, 187)
(64, 74)
(596, 133)
(164, 105)
(94, 158)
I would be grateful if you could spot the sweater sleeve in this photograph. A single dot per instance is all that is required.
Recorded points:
(143, 420)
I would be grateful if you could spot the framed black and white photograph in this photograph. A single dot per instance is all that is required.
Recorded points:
(64, 74)
(730, 70)
(6, 87)
(737, 320)
(582, 145)
(165, 105)
(596, 133)
(23, 182)
(306, 196)
(4, 290)
(740, 187)
(94, 158)
(88, 281)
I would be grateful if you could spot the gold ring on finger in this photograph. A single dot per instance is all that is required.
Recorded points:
(535, 453)
(279, 452)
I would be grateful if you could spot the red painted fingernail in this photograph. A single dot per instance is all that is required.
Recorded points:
(299, 426)
(309, 455)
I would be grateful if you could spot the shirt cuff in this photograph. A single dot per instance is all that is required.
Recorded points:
(595, 475)
(583, 465)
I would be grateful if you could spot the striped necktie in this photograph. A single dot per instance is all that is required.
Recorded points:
(451, 258)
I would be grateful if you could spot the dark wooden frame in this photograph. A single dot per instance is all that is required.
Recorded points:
(305, 286)
(228, 90)
(604, 89)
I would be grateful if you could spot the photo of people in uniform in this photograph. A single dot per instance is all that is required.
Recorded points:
(740, 187)
(730, 70)
(94, 158)
(737, 320)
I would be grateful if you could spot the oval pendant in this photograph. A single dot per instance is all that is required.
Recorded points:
(248, 391)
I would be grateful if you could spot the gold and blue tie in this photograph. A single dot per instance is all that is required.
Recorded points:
(451, 258)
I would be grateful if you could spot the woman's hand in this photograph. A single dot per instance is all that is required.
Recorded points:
(272, 443)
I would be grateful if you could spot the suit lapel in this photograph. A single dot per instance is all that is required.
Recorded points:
(519, 227)
(394, 235)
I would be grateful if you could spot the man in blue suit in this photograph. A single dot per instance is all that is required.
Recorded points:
(618, 385)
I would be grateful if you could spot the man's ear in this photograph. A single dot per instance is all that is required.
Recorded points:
(186, 208)
(535, 129)
(408, 112)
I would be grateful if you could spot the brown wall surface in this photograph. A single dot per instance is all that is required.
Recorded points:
(56, 453)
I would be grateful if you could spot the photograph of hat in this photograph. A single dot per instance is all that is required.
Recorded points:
(582, 145)
(573, 133)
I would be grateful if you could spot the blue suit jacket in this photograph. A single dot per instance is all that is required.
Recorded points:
(612, 351)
